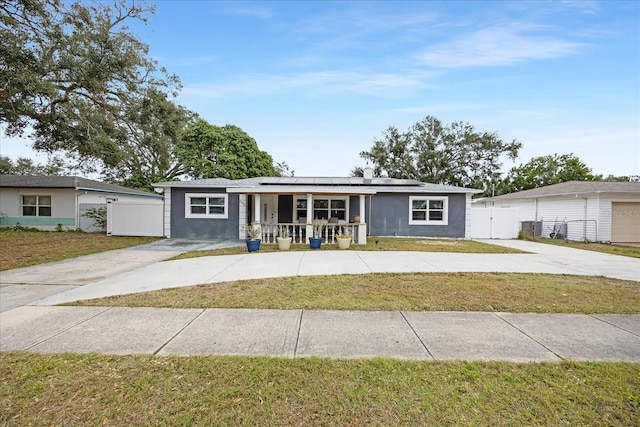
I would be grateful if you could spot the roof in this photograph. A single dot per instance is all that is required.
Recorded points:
(74, 182)
(341, 185)
(571, 188)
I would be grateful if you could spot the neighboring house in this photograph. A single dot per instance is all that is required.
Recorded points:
(578, 210)
(48, 202)
(219, 208)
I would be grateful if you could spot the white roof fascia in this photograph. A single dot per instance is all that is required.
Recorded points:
(295, 189)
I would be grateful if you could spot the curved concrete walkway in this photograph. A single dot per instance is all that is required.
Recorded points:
(40, 327)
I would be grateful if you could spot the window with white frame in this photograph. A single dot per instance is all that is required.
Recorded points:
(36, 205)
(206, 205)
(324, 208)
(428, 210)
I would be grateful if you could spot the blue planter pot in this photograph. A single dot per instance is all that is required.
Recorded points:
(253, 245)
(315, 242)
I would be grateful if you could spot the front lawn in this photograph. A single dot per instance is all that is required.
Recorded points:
(377, 244)
(25, 248)
(89, 390)
(510, 292)
(630, 251)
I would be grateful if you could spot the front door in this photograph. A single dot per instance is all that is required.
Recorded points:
(269, 208)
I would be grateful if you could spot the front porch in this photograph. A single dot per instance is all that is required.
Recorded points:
(333, 211)
(299, 232)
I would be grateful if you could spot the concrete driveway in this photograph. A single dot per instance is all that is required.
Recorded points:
(519, 337)
(138, 269)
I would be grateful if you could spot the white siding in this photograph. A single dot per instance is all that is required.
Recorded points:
(167, 212)
(99, 197)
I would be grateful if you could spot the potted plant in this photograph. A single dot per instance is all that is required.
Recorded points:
(253, 232)
(316, 240)
(344, 239)
(284, 238)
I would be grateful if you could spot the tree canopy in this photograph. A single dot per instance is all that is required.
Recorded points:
(25, 166)
(69, 70)
(209, 151)
(77, 81)
(546, 170)
(429, 151)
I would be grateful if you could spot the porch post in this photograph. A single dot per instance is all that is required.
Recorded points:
(309, 227)
(362, 227)
(256, 208)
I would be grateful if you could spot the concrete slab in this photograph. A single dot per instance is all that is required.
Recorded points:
(358, 334)
(332, 262)
(578, 336)
(627, 322)
(85, 269)
(24, 327)
(168, 274)
(14, 295)
(474, 336)
(238, 332)
(121, 330)
(577, 261)
(260, 265)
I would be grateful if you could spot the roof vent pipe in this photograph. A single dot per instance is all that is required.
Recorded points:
(367, 173)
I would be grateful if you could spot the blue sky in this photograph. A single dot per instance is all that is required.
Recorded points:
(316, 82)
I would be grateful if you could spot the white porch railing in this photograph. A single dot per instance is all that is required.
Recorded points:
(299, 232)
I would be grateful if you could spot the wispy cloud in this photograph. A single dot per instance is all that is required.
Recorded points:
(255, 10)
(328, 81)
(498, 45)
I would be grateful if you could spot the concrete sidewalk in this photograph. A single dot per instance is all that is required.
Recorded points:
(335, 334)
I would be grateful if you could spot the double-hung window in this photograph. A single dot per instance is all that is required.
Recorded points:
(206, 205)
(36, 205)
(428, 210)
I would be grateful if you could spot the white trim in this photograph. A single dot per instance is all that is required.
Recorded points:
(445, 210)
(311, 198)
(187, 205)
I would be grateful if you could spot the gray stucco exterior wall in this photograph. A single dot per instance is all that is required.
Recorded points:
(202, 228)
(389, 216)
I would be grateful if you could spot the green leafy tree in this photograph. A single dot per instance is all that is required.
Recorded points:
(26, 166)
(283, 169)
(149, 154)
(69, 71)
(546, 170)
(624, 178)
(209, 151)
(429, 151)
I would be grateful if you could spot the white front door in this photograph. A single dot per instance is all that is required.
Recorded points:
(269, 208)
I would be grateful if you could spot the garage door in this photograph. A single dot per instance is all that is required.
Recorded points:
(625, 222)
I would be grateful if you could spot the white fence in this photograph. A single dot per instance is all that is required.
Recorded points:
(578, 230)
(134, 219)
(494, 223)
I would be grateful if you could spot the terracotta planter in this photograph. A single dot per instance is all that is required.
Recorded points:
(344, 242)
(284, 243)
(356, 219)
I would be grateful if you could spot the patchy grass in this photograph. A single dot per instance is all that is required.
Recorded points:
(25, 248)
(630, 251)
(89, 390)
(376, 244)
(511, 292)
